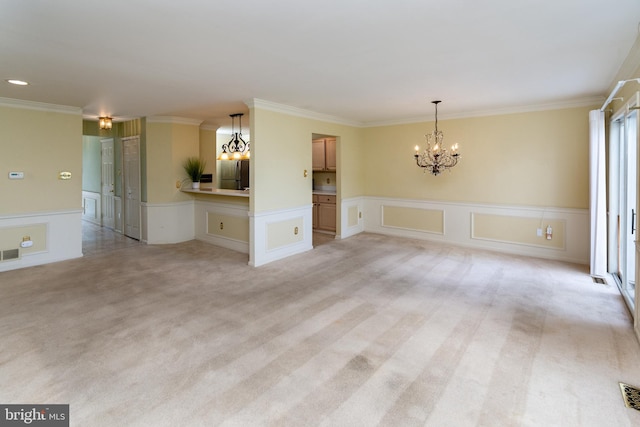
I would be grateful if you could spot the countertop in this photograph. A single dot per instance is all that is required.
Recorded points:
(324, 192)
(218, 192)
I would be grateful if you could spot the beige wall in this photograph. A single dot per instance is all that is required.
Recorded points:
(535, 158)
(281, 152)
(167, 146)
(41, 144)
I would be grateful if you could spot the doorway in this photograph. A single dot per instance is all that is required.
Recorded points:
(131, 186)
(108, 183)
(324, 150)
(623, 206)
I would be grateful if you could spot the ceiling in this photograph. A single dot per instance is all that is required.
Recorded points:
(364, 61)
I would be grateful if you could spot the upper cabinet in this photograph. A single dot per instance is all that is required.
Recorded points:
(324, 154)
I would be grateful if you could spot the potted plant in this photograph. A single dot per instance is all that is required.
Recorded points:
(194, 167)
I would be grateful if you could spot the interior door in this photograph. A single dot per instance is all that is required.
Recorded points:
(107, 192)
(623, 212)
(131, 186)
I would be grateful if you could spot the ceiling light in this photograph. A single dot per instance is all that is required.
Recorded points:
(17, 82)
(237, 148)
(435, 158)
(106, 122)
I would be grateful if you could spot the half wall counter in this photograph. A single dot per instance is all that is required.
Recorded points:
(222, 217)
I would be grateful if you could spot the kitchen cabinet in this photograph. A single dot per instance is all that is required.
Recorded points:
(324, 154)
(324, 212)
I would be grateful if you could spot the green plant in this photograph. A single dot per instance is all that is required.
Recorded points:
(194, 167)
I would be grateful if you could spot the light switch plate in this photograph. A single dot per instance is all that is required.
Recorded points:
(16, 175)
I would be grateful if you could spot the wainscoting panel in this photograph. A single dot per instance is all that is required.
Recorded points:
(285, 233)
(518, 230)
(273, 234)
(351, 217)
(91, 209)
(11, 237)
(234, 233)
(168, 222)
(414, 219)
(509, 229)
(56, 236)
(228, 226)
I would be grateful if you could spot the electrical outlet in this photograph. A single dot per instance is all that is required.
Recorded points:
(539, 232)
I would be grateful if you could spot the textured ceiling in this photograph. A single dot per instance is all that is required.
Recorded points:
(365, 61)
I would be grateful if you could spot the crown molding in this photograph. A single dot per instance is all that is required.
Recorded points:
(174, 120)
(299, 112)
(39, 106)
(209, 127)
(576, 103)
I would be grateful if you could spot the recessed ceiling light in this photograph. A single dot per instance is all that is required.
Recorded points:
(17, 82)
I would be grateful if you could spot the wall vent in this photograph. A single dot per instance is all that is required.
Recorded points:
(599, 280)
(10, 254)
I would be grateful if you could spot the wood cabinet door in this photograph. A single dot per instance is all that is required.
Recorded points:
(330, 154)
(317, 152)
(327, 217)
(315, 211)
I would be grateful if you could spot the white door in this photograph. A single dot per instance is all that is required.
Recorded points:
(108, 210)
(131, 186)
(623, 203)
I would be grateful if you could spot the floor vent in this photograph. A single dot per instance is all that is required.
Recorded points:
(9, 254)
(631, 396)
(599, 280)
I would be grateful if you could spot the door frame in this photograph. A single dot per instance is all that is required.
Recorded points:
(618, 128)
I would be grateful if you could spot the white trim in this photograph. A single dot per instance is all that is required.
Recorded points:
(458, 226)
(209, 127)
(39, 214)
(168, 222)
(345, 230)
(574, 103)
(299, 112)
(97, 198)
(258, 222)
(174, 120)
(40, 106)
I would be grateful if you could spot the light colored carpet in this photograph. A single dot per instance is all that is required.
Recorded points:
(367, 331)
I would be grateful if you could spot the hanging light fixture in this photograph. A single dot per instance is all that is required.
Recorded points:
(237, 148)
(435, 158)
(106, 122)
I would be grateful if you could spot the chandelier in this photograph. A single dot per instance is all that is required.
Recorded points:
(237, 148)
(435, 158)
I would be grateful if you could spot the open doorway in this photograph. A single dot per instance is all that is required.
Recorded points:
(324, 188)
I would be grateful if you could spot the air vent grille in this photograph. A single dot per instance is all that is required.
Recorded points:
(630, 396)
(9, 254)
